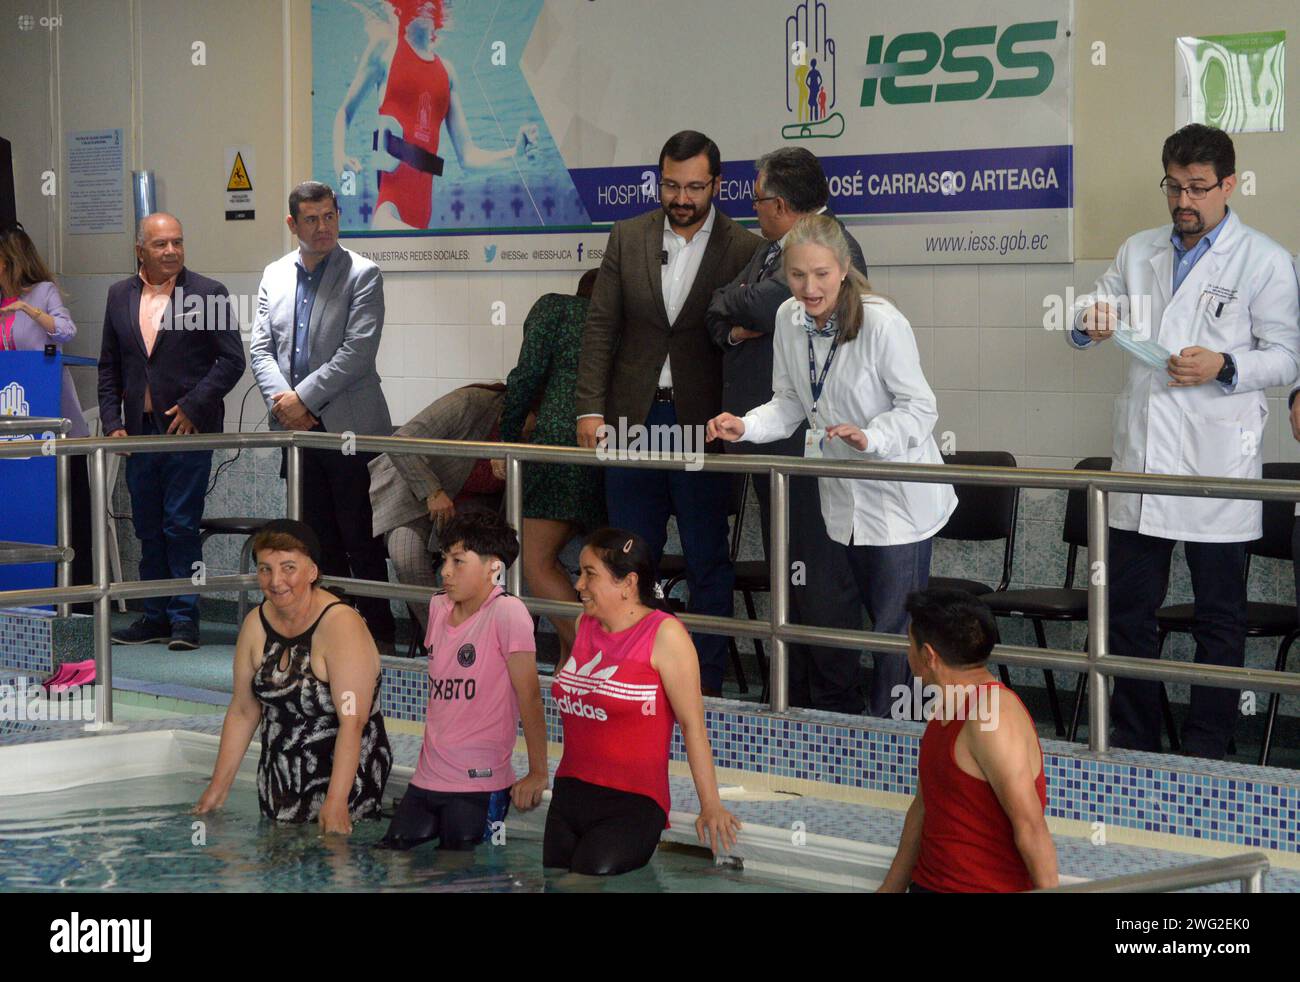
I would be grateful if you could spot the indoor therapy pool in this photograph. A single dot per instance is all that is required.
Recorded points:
(82, 828)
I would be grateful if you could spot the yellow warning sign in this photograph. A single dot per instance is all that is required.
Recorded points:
(239, 176)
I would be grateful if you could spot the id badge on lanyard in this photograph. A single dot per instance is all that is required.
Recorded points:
(814, 444)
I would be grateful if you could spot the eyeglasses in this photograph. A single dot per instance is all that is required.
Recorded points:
(694, 189)
(757, 199)
(1195, 192)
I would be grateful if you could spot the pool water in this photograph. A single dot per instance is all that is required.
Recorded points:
(138, 836)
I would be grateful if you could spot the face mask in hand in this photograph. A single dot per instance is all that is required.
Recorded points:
(1143, 349)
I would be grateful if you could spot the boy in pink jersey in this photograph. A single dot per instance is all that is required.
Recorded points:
(482, 682)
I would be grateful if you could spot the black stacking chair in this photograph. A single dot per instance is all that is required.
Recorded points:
(247, 527)
(1069, 603)
(984, 513)
(751, 578)
(1065, 604)
(1263, 620)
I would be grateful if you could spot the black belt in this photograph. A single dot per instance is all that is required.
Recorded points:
(409, 153)
(664, 393)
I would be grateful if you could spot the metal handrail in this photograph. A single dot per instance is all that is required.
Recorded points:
(1248, 869)
(31, 425)
(1097, 663)
(42, 426)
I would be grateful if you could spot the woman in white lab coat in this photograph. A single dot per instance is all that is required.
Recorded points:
(845, 359)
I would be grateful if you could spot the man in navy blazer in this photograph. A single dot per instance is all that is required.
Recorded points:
(171, 351)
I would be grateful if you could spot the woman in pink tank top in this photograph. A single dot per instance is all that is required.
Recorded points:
(632, 674)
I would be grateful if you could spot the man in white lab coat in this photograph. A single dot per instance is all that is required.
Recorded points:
(1221, 299)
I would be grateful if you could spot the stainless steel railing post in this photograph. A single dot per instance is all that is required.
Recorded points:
(779, 684)
(103, 603)
(515, 517)
(1098, 619)
(63, 505)
(293, 482)
(1254, 883)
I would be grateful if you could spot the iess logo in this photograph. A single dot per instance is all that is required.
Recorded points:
(957, 53)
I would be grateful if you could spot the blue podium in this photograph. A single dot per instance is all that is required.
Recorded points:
(31, 384)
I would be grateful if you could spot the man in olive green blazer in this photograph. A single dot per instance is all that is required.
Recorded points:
(647, 359)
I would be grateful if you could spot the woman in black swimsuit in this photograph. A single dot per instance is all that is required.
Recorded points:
(310, 675)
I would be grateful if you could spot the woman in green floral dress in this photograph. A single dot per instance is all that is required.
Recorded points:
(560, 500)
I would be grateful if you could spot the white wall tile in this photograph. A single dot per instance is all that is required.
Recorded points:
(1049, 361)
(959, 414)
(1092, 417)
(452, 349)
(956, 358)
(1087, 272)
(925, 346)
(408, 297)
(1002, 358)
(485, 351)
(519, 291)
(418, 393)
(956, 296)
(1049, 426)
(419, 351)
(449, 300)
(912, 288)
(484, 293)
(394, 395)
(392, 360)
(1002, 296)
(1002, 421)
(1100, 368)
(1049, 280)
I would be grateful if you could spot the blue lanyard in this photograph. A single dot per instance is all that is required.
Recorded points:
(819, 383)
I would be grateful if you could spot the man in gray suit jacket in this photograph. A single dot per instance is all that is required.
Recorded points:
(320, 313)
(647, 360)
(742, 319)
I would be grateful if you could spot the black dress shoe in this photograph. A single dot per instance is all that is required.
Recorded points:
(143, 631)
(185, 636)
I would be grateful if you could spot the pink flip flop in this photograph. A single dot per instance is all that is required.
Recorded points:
(71, 675)
(62, 673)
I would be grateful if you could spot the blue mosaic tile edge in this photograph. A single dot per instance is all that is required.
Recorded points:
(1214, 801)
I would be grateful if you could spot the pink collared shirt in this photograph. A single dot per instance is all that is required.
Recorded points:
(153, 304)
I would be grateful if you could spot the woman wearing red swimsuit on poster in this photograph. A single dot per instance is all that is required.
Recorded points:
(420, 92)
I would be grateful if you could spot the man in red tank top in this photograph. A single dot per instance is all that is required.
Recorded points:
(976, 824)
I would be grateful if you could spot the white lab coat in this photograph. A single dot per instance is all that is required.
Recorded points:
(876, 384)
(1241, 298)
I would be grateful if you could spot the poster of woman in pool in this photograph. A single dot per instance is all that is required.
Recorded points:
(423, 120)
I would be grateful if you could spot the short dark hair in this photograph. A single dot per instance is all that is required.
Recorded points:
(1198, 144)
(482, 532)
(625, 552)
(796, 175)
(690, 143)
(310, 191)
(956, 624)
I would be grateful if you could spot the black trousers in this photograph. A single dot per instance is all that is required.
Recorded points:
(83, 566)
(1139, 579)
(823, 678)
(336, 504)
